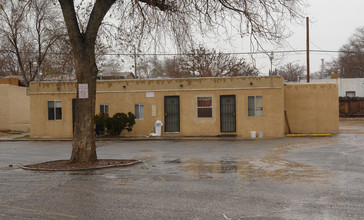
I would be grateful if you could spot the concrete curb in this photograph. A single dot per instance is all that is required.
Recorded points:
(351, 119)
(123, 139)
(81, 169)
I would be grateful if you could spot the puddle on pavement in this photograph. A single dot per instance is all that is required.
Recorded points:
(83, 173)
(80, 174)
(269, 168)
(125, 181)
(201, 169)
(177, 161)
(146, 150)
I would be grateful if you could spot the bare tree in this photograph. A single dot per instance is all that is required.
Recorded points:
(30, 30)
(147, 67)
(332, 67)
(202, 62)
(350, 62)
(7, 64)
(199, 62)
(291, 72)
(264, 20)
(12, 20)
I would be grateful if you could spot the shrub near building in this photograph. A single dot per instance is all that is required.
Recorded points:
(114, 125)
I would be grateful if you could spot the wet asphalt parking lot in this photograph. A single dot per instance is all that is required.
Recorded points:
(287, 178)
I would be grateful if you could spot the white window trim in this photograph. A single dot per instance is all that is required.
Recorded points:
(255, 106)
(350, 92)
(139, 111)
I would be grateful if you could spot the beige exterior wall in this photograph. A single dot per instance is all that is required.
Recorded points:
(40, 94)
(4, 110)
(190, 124)
(312, 108)
(15, 108)
(121, 96)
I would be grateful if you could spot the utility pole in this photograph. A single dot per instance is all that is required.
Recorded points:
(322, 67)
(271, 57)
(135, 63)
(308, 48)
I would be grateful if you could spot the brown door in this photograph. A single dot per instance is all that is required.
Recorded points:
(227, 113)
(171, 114)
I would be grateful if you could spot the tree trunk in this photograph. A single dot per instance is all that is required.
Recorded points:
(83, 146)
(83, 45)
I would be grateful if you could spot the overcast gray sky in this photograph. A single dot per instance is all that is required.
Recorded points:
(332, 22)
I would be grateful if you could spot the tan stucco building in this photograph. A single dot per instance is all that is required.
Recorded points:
(14, 108)
(194, 107)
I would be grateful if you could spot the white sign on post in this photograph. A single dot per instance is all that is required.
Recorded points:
(83, 91)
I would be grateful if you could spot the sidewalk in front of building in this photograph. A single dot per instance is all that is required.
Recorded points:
(25, 136)
(346, 125)
(5, 136)
(13, 135)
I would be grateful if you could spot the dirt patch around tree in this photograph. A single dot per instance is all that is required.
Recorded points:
(65, 165)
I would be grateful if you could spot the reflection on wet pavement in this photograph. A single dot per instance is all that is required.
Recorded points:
(147, 158)
(269, 168)
(173, 161)
(146, 150)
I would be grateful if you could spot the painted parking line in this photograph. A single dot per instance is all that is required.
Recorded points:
(309, 135)
(38, 211)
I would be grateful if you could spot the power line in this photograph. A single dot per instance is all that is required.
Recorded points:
(232, 53)
(191, 54)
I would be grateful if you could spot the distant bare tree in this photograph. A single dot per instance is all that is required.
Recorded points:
(7, 64)
(332, 67)
(291, 72)
(202, 62)
(350, 61)
(199, 62)
(148, 67)
(30, 30)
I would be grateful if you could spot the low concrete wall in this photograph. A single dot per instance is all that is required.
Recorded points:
(19, 109)
(9, 81)
(4, 110)
(15, 108)
(312, 108)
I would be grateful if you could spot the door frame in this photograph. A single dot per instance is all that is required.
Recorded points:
(73, 115)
